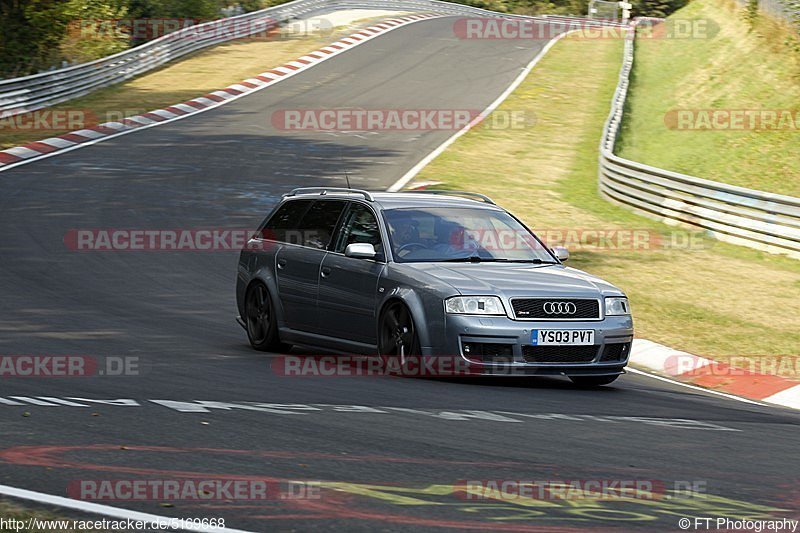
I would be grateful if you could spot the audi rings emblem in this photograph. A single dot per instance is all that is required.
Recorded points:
(559, 308)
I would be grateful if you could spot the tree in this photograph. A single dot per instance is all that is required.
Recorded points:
(94, 29)
(189, 9)
(656, 8)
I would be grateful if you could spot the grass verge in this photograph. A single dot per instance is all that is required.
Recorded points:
(707, 298)
(177, 82)
(729, 67)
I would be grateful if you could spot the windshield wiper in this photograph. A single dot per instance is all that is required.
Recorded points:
(534, 261)
(469, 259)
(478, 259)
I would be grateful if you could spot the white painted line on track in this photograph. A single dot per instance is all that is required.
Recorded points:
(106, 510)
(416, 169)
(695, 387)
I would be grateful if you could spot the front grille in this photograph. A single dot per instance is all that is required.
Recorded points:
(534, 308)
(489, 352)
(559, 354)
(615, 352)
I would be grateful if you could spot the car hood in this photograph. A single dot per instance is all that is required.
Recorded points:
(516, 279)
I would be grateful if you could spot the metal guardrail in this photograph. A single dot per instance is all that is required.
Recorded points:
(30, 93)
(748, 217)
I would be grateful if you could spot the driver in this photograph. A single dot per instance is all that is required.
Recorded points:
(405, 231)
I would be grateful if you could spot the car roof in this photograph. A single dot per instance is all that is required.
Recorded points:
(392, 200)
(406, 199)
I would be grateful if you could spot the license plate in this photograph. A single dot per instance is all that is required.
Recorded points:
(562, 337)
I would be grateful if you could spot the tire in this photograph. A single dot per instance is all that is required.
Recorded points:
(592, 381)
(397, 336)
(262, 329)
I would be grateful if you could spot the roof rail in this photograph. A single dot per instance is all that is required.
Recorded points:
(473, 195)
(322, 191)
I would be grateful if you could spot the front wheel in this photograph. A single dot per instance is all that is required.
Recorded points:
(262, 330)
(592, 381)
(397, 336)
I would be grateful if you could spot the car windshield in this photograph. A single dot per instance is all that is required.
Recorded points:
(425, 234)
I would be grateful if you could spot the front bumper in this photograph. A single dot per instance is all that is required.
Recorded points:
(498, 345)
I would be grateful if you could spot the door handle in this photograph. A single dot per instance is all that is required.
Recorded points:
(281, 263)
(325, 272)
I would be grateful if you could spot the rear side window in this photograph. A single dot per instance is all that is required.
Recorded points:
(286, 219)
(318, 224)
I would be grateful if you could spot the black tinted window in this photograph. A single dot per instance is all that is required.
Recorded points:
(287, 217)
(318, 224)
(359, 226)
(461, 234)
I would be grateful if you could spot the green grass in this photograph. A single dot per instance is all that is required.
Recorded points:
(715, 299)
(735, 69)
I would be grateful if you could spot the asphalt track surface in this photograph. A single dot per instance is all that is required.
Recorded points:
(389, 464)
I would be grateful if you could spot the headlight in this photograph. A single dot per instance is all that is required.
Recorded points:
(617, 306)
(474, 305)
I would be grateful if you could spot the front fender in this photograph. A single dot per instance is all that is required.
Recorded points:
(427, 311)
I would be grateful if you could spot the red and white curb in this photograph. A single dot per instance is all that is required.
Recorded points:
(20, 155)
(715, 375)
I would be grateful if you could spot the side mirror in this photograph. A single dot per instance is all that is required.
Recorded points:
(561, 253)
(360, 250)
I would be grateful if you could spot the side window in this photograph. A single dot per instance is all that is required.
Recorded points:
(286, 218)
(317, 226)
(359, 225)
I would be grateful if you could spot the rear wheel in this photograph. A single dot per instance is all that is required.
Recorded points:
(262, 331)
(592, 381)
(397, 336)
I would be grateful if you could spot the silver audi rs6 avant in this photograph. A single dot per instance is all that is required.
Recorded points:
(428, 274)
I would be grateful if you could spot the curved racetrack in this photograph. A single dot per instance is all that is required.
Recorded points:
(391, 463)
